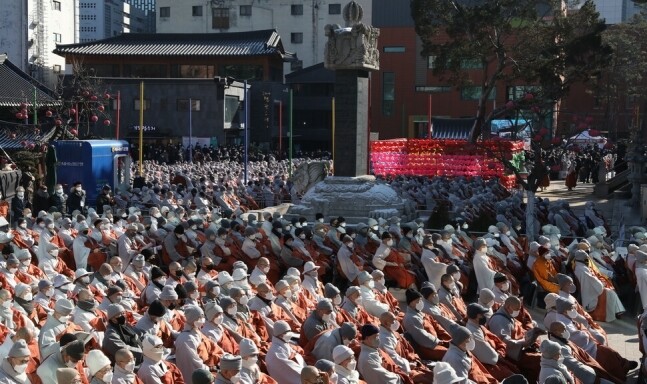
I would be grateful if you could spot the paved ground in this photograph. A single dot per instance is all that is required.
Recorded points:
(622, 333)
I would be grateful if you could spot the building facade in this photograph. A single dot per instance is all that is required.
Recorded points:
(148, 6)
(100, 19)
(616, 11)
(179, 73)
(30, 30)
(301, 23)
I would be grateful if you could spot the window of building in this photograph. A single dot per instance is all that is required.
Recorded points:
(145, 70)
(296, 37)
(519, 91)
(58, 37)
(431, 62)
(57, 5)
(474, 93)
(471, 64)
(147, 104)
(245, 10)
(115, 104)
(296, 65)
(388, 93)
(193, 71)
(433, 88)
(220, 19)
(165, 11)
(241, 71)
(334, 9)
(183, 105)
(394, 49)
(296, 9)
(196, 10)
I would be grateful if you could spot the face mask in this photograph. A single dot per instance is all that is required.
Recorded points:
(490, 304)
(482, 321)
(420, 305)
(26, 263)
(333, 378)
(451, 286)
(358, 301)
(250, 362)
(195, 295)
(287, 337)
(572, 289)
(435, 299)
(20, 195)
(28, 297)
(380, 282)
(371, 284)
(571, 313)
(336, 300)
(346, 342)
(54, 253)
(215, 291)
(232, 311)
(121, 320)
(566, 334)
(505, 286)
(23, 225)
(302, 236)
(266, 270)
(20, 369)
(59, 191)
(217, 320)
(326, 317)
(244, 300)
(156, 355)
(107, 377)
(6, 304)
(560, 360)
(514, 313)
(13, 270)
(72, 364)
(130, 367)
(351, 365)
(456, 276)
(395, 326)
(49, 292)
(199, 323)
(389, 243)
(50, 226)
(235, 379)
(320, 220)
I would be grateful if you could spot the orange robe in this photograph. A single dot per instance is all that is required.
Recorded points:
(544, 272)
(504, 367)
(430, 325)
(403, 277)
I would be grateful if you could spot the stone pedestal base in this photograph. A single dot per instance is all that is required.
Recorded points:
(354, 198)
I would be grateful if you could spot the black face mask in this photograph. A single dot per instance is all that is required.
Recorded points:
(172, 306)
(179, 273)
(121, 320)
(482, 320)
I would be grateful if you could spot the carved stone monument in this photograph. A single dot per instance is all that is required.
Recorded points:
(352, 52)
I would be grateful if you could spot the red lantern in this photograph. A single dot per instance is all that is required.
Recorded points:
(31, 146)
(101, 108)
(106, 122)
(582, 126)
(543, 131)
(528, 96)
(535, 109)
(94, 98)
(556, 140)
(94, 118)
(19, 116)
(23, 143)
(86, 93)
(510, 104)
(594, 132)
(48, 113)
(58, 122)
(106, 96)
(72, 111)
(24, 112)
(537, 138)
(588, 119)
(23, 106)
(74, 132)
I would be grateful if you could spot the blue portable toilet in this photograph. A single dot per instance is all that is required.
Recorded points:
(94, 163)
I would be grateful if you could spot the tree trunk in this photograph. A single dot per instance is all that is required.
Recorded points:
(530, 215)
(479, 123)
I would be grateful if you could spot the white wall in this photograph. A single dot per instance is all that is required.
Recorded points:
(266, 14)
(13, 31)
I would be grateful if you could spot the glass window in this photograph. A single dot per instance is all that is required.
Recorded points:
(334, 9)
(431, 62)
(233, 109)
(296, 9)
(147, 104)
(183, 105)
(57, 5)
(57, 37)
(104, 70)
(196, 10)
(165, 11)
(145, 70)
(519, 91)
(296, 37)
(296, 65)
(245, 10)
(241, 71)
(474, 93)
(193, 71)
(388, 93)
(220, 19)
(396, 49)
(471, 64)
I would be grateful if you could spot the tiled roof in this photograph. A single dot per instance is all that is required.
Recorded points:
(254, 43)
(24, 132)
(448, 128)
(17, 87)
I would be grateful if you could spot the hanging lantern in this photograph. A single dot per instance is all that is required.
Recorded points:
(94, 118)
(94, 98)
(556, 141)
(19, 116)
(86, 93)
(510, 104)
(528, 96)
(589, 119)
(594, 132)
(535, 109)
(48, 113)
(537, 138)
(23, 106)
(74, 132)
(106, 122)
(72, 111)
(24, 112)
(106, 96)
(543, 131)
(58, 122)
(101, 108)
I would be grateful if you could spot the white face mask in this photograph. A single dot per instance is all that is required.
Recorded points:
(505, 286)
(320, 220)
(198, 324)
(389, 243)
(235, 379)
(471, 344)
(28, 297)
(336, 300)
(232, 311)
(130, 367)
(6, 304)
(326, 317)
(250, 362)
(20, 369)
(20, 195)
(420, 305)
(571, 313)
(49, 292)
(566, 334)
(107, 377)
(514, 313)
(195, 295)
(156, 355)
(217, 320)
(456, 276)
(266, 270)
(370, 284)
(13, 270)
(215, 291)
(560, 360)
(244, 300)
(359, 301)
(395, 326)
(351, 365)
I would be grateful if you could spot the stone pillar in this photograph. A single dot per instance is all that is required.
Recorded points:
(351, 123)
